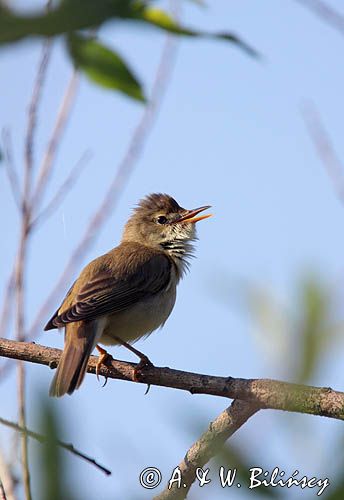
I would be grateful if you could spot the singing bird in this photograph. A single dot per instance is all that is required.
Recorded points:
(128, 292)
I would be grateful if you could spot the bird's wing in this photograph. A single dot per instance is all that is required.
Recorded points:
(109, 292)
(51, 325)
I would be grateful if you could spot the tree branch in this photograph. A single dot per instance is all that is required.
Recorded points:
(208, 445)
(325, 12)
(32, 115)
(324, 147)
(42, 439)
(264, 393)
(7, 482)
(62, 191)
(55, 139)
(10, 168)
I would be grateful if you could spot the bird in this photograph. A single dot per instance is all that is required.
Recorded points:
(128, 292)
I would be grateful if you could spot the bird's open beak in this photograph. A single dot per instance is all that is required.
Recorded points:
(190, 215)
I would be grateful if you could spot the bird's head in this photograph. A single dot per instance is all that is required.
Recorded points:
(158, 221)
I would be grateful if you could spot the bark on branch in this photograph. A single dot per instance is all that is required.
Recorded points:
(264, 393)
(207, 446)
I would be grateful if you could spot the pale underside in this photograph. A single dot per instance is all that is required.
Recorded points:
(139, 320)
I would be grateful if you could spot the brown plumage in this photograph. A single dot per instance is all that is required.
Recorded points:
(128, 292)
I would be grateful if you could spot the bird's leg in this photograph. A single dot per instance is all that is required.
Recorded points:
(144, 360)
(103, 358)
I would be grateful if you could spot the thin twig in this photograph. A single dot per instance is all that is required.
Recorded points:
(33, 107)
(5, 369)
(55, 139)
(123, 173)
(208, 446)
(10, 167)
(324, 147)
(265, 393)
(5, 315)
(62, 191)
(20, 265)
(326, 12)
(24, 442)
(6, 480)
(42, 439)
(2, 491)
(20, 335)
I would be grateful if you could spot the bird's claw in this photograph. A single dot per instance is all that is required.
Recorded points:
(140, 367)
(103, 359)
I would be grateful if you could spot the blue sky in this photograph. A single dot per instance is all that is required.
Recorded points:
(229, 134)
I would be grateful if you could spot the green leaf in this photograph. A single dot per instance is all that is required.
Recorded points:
(73, 15)
(161, 19)
(67, 16)
(104, 66)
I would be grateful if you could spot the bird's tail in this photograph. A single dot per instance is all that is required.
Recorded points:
(80, 340)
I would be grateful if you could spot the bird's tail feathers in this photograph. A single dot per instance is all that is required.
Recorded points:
(80, 340)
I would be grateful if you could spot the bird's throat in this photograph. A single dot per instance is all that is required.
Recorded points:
(180, 251)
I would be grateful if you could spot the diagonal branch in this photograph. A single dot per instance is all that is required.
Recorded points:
(7, 481)
(208, 445)
(325, 148)
(62, 191)
(10, 167)
(264, 393)
(325, 12)
(55, 139)
(42, 439)
(32, 116)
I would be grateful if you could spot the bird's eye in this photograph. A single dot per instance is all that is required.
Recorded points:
(161, 219)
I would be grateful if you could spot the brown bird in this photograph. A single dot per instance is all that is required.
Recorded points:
(128, 292)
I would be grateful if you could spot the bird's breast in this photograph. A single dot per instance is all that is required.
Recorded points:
(140, 319)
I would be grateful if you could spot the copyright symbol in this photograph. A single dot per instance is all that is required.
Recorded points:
(150, 478)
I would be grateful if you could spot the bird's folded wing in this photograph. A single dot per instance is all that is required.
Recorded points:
(107, 293)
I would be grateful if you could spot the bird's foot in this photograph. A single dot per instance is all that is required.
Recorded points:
(140, 367)
(103, 359)
(144, 361)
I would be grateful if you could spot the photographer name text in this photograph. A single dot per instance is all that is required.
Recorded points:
(151, 478)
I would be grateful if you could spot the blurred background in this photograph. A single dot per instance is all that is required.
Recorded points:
(264, 295)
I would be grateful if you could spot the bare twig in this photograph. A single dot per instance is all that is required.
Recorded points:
(5, 369)
(324, 147)
(5, 315)
(20, 335)
(49, 156)
(326, 12)
(20, 265)
(10, 167)
(2, 491)
(7, 486)
(33, 107)
(62, 191)
(42, 439)
(123, 173)
(24, 443)
(264, 393)
(6, 305)
(208, 445)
